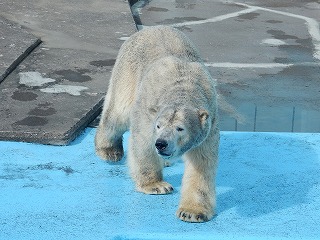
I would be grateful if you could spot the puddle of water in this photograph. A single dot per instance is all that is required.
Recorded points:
(248, 16)
(278, 34)
(186, 4)
(24, 96)
(157, 9)
(74, 76)
(179, 20)
(274, 21)
(32, 121)
(42, 111)
(103, 63)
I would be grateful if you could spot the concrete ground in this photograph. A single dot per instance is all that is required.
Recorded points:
(57, 90)
(265, 56)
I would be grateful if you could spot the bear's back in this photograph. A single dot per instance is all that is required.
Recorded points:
(152, 43)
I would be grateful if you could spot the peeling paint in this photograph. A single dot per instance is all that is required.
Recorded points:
(273, 42)
(33, 79)
(123, 38)
(72, 90)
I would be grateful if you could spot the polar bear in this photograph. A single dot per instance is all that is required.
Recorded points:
(161, 91)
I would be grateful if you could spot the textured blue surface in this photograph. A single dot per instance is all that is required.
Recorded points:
(267, 186)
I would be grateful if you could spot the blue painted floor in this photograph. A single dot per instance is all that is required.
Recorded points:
(268, 187)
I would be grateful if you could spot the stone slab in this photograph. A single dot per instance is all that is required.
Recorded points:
(264, 55)
(15, 44)
(59, 88)
(48, 102)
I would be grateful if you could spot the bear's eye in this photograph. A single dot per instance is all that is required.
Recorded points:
(179, 129)
(158, 126)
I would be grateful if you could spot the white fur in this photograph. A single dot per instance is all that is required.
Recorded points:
(161, 91)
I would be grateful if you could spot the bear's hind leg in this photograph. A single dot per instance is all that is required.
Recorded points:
(108, 139)
(146, 169)
(112, 151)
(108, 143)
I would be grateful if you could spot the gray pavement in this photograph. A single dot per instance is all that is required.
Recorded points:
(265, 56)
(16, 43)
(58, 89)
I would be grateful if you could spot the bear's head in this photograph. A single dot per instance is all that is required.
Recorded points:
(178, 130)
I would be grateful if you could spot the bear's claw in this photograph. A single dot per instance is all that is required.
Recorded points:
(193, 216)
(157, 188)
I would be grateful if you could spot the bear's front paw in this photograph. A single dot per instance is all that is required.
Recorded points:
(111, 153)
(196, 215)
(156, 188)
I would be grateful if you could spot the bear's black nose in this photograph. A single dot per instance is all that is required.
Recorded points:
(161, 144)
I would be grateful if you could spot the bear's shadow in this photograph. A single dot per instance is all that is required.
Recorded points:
(260, 177)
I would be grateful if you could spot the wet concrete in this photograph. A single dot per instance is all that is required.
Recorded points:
(78, 75)
(264, 55)
(56, 103)
(58, 89)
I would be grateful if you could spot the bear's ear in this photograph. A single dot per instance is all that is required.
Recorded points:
(203, 116)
